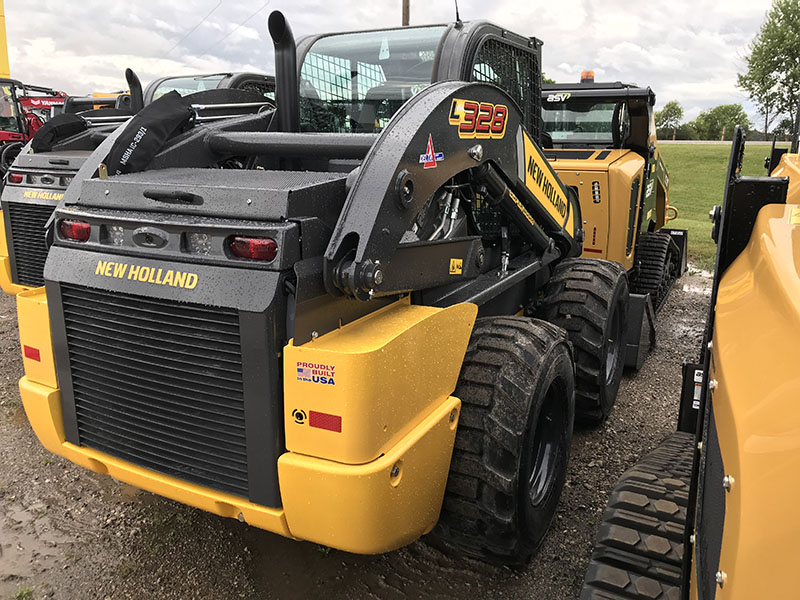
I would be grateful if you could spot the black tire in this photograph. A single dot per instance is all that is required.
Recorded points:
(657, 266)
(588, 297)
(639, 549)
(513, 440)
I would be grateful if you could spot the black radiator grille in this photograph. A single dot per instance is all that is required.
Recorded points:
(159, 384)
(27, 239)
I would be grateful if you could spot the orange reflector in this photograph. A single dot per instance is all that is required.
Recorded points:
(322, 420)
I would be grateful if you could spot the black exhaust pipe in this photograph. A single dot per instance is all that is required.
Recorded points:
(135, 87)
(286, 86)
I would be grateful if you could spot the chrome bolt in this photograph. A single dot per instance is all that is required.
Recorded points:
(377, 277)
(452, 416)
(710, 345)
(691, 539)
(249, 201)
(727, 482)
(699, 445)
(395, 471)
(106, 192)
(476, 152)
(712, 385)
(314, 335)
(721, 577)
(241, 518)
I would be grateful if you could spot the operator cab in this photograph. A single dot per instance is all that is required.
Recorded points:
(610, 116)
(356, 82)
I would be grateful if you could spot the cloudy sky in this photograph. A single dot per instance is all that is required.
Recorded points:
(688, 50)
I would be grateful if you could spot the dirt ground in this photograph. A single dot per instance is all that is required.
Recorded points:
(68, 533)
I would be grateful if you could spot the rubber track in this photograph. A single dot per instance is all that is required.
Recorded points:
(578, 298)
(639, 549)
(652, 252)
(479, 511)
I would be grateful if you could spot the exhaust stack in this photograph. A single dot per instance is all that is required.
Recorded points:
(135, 87)
(286, 87)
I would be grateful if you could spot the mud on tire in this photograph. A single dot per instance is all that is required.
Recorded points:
(588, 297)
(513, 439)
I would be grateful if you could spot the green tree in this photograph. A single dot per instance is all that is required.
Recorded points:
(719, 122)
(670, 117)
(772, 79)
(546, 79)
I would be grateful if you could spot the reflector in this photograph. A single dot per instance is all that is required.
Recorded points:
(75, 230)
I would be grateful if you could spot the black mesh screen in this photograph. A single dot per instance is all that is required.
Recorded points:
(516, 70)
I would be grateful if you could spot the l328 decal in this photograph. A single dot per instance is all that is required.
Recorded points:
(478, 120)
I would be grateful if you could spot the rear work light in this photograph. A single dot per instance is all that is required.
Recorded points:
(254, 248)
(15, 177)
(74, 230)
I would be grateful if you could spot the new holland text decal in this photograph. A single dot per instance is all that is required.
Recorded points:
(42, 195)
(478, 120)
(431, 157)
(316, 373)
(178, 279)
(542, 183)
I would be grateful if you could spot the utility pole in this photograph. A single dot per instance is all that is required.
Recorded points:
(406, 11)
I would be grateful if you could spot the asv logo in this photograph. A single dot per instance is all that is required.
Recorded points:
(563, 97)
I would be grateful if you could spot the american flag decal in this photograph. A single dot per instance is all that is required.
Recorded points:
(303, 374)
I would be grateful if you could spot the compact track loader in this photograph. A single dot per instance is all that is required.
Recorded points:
(44, 168)
(712, 512)
(601, 140)
(377, 326)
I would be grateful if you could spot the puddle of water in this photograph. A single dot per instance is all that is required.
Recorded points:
(22, 554)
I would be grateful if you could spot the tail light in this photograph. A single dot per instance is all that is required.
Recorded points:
(15, 177)
(74, 230)
(254, 248)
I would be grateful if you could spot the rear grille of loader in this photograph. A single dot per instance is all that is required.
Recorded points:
(27, 240)
(159, 384)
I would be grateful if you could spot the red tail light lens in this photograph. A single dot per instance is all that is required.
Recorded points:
(74, 230)
(15, 178)
(254, 248)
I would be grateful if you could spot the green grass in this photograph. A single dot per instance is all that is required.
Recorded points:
(697, 183)
(25, 593)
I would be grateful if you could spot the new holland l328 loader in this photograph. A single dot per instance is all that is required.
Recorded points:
(375, 328)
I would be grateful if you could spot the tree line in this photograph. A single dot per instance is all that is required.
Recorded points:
(771, 80)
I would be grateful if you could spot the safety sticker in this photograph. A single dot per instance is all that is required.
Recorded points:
(431, 157)
(794, 216)
(316, 373)
(456, 266)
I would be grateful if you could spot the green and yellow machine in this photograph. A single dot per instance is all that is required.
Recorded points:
(372, 325)
(601, 140)
(712, 512)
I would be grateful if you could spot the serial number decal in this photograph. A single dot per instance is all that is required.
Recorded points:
(478, 120)
(115, 270)
(42, 195)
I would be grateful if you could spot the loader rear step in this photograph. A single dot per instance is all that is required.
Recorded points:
(639, 549)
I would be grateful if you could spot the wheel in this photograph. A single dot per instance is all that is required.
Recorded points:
(589, 298)
(657, 263)
(513, 439)
(639, 549)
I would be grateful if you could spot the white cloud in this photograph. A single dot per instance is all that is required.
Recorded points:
(685, 50)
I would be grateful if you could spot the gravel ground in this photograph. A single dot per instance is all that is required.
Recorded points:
(69, 533)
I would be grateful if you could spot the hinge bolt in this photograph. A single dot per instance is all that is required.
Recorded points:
(712, 384)
(241, 518)
(395, 471)
(721, 577)
(710, 345)
(314, 335)
(476, 152)
(727, 482)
